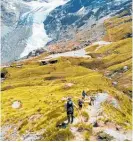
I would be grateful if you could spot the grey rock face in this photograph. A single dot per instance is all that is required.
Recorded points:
(14, 35)
(36, 52)
(76, 14)
(14, 43)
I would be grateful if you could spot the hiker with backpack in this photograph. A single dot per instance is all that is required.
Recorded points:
(80, 104)
(83, 94)
(92, 99)
(70, 110)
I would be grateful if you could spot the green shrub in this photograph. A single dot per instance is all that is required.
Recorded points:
(4, 72)
(85, 115)
(104, 136)
(84, 126)
(87, 135)
(60, 135)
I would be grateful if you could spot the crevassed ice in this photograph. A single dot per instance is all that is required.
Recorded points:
(39, 11)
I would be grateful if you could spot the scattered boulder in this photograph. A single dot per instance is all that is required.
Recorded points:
(93, 25)
(3, 75)
(87, 43)
(31, 137)
(125, 68)
(82, 45)
(102, 136)
(114, 74)
(16, 104)
(36, 52)
(115, 83)
(118, 128)
(45, 62)
(68, 85)
(95, 124)
(62, 125)
(16, 65)
(4, 72)
(53, 61)
(128, 35)
(80, 129)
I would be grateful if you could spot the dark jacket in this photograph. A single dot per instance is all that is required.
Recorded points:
(70, 107)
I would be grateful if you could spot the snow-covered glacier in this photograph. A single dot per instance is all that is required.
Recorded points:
(22, 26)
(39, 11)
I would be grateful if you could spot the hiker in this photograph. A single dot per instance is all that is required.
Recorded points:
(70, 110)
(80, 103)
(92, 99)
(83, 94)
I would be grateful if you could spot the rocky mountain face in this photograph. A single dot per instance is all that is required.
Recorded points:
(29, 25)
(14, 35)
(23, 29)
(77, 14)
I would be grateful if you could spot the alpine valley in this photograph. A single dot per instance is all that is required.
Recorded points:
(51, 51)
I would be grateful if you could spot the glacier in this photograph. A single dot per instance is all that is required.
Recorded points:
(38, 13)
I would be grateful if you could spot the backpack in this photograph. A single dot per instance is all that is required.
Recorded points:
(70, 106)
(80, 103)
(83, 94)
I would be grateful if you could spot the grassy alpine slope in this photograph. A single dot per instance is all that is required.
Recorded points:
(42, 91)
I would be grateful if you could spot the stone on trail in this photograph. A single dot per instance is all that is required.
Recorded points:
(46, 62)
(31, 137)
(114, 83)
(95, 124)
(118, 135)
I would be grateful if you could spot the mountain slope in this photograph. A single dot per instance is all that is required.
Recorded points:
(25, 33)
(77, 14)
(29, 25)
(42, 91)
(35, 90)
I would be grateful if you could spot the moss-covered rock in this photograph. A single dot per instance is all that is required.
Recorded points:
(102, 136)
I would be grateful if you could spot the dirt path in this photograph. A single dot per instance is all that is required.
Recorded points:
(77, 53)
(94, 112)
(110, 128)
(78, 136)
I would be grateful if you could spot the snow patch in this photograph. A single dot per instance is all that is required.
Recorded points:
(81, 11)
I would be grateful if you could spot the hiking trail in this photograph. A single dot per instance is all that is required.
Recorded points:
(95, 112)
